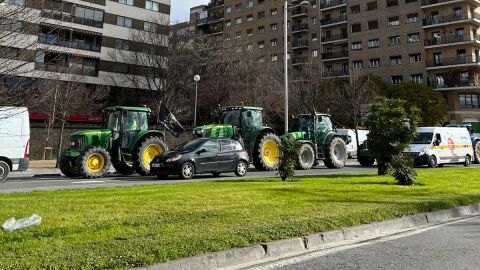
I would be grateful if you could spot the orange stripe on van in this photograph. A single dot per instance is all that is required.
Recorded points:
(449, 147)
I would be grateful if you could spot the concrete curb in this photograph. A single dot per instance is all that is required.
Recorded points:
(235, 258)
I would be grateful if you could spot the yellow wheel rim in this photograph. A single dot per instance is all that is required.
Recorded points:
(270, 152)
(150, 153)
(95, 162)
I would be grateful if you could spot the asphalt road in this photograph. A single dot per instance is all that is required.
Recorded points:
(41, 180)
(450, 246)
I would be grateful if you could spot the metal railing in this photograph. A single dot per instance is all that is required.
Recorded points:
(450, 39)
(450, 61)
(53, 40)
(61, 68)
(433, 2)
(436, 83)
(299, 60)
(50, 14)
(298, 11)
(99, 2)
(327, 4)
(333, 55)
(215, 4)
(333, 20)
(300, 43)
(449, 18)
(299, 27)
(335, 73)
(334, 37)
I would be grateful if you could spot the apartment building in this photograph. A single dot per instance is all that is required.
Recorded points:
(85, 40)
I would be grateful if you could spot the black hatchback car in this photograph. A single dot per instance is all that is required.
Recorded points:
(203, 155)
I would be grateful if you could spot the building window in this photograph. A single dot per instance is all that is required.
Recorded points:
(415, 58)
(418, 78)
(356, 46)
(273, 27)
(461, 54)
(395, 60)
(121, 44)
(457, 12)
(412, 18)
(261, 29)
(314, 53)
(228, 10)
(249, 32)
(261, 44)
(238, 34)
(249, 47)
(273, 43)
(414, 37)
(249, 18)
(274, 58)
(374, 63)
(314, 37)
(397, 79)
(238, 20)
(372, 5)
(249, 3)
(356, 28)
(372, 25)
(93, 17)
(355, 9)
(125, 22)
(126, 2)
(228, 23)
(410, 1)
(469, 101)
(391, 3)
(10, 25)
(357, 64)
(149, 27)
(8, 53)
(261, 15)
(395, 40)
(273, 12)
(238, 7)
(373, 43)
(16, 2)
(151, 5)
(314, 20)
(261, 59)
(393, 21)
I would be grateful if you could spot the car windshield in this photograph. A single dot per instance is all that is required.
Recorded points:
(191, 145)
(423, 138)
(231, 117)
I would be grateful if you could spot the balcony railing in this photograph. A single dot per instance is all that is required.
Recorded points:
(60, 68)
(202, 21)
(52, 40)
(433, 2)
(449, 18)
(333, 20)
(335, 73)
(300, 43)
(327, 4)
(451, 61)
(299, 11)
(99, 2)
(299, 27)
(299, 60)
(333, 55)
(213, 31)
(50, 14)
(334, 37)
(214, 4)
(450, 39)
(215, 17)
(438, 83)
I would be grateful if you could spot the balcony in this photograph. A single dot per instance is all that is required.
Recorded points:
(334, 55)
(299, 28)
(62, 68)
(57, 41)
(440, 84)
(453, 18)
(299, 44)
(335, 73)
(98, 2)
(452, 62)
(333, 20)
(299, 60)
(299, 12)
(334, 38)
(332, 3)
(429, 3)
(215, 4)
(212, 32)
(55, 15)
(451, 39)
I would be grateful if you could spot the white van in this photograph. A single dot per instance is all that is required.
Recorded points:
(14, 140)
(435, 146)
(352, 146)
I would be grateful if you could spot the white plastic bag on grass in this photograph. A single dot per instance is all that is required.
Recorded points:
(12, 224)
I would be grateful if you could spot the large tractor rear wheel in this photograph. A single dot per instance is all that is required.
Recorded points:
(69, 166)
(119, 163)
(266, 154)
(476, 149)
(95, 163)
(336, 154)
(306, 159)
(145, 152)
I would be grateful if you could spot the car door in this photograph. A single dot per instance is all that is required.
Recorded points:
(227, 156)
(206, 156)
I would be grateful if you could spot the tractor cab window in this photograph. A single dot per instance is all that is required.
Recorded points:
(135, 121)
(324, 123)
(251, 119)
(114, 121)
(305, 123)
(231, 117)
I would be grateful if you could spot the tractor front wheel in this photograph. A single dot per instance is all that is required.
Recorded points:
(266, 155)
(95, 163)
(145, 152)
(69, 166)
(306, 159)
(336, 154)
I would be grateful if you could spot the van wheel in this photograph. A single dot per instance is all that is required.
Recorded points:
(468, 161)
(4, 171)
(432, 162)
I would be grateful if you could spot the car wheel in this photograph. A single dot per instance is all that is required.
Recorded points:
(216, 174)
(432, 162)
(468, 161)
(241, 169)
(4, 171)
(188, 170)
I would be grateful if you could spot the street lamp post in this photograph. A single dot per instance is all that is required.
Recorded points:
(285, 56)
(196, 78)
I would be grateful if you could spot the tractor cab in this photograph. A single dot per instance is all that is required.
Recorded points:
(242, 117)
(126, 123)
(314, 127)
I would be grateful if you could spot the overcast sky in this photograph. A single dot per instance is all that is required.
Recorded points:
(181, 9)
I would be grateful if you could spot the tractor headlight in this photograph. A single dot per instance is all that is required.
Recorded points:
(174, 158)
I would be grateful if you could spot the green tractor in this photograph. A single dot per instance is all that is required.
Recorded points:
(124, 142)
(246, 124)
(319, 141)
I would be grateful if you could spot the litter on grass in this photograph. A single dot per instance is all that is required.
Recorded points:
(13, 224)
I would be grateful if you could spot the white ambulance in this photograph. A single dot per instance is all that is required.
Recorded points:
(14, 140)
(436, 146)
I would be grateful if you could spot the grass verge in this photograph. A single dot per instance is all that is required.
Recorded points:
(136, 226)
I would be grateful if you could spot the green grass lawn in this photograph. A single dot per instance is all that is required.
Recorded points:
(135, 226)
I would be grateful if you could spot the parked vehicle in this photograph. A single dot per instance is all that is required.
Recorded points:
(202, 155)
(352, 146)
(320, 141)
(474, 130)
(436, 146)
(14, 140)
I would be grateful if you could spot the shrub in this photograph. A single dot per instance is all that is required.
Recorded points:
(290, 150)
(401, 168)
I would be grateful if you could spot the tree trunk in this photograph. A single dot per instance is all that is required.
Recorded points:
(60, 143)
(382, 167)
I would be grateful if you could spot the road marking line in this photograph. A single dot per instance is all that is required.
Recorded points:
(88, 182)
